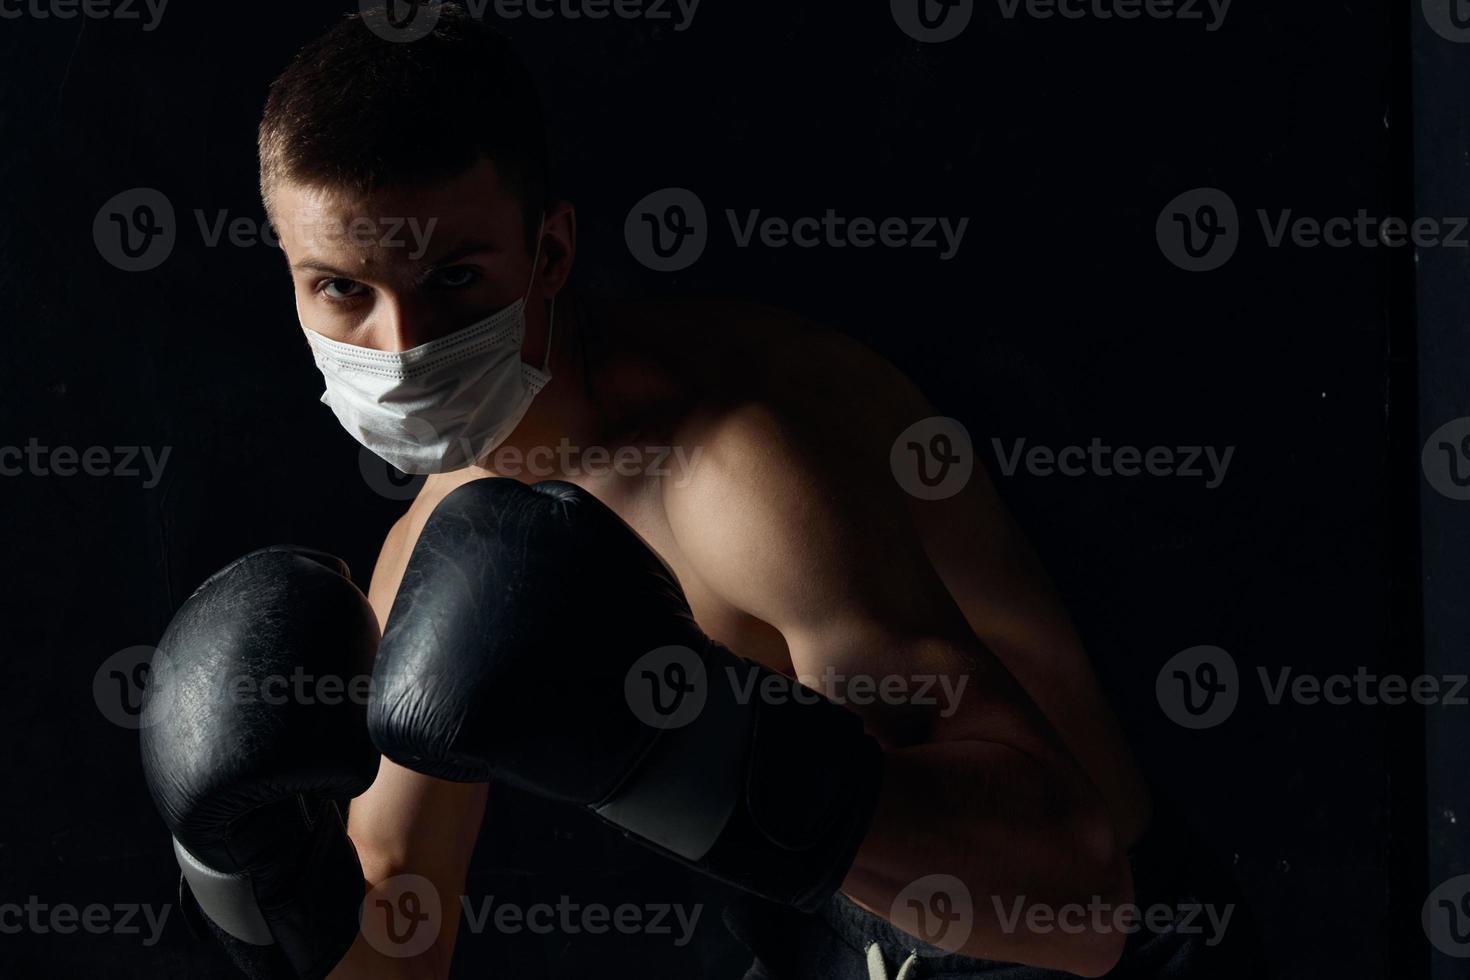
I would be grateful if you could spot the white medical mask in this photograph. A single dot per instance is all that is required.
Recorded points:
(443, 405)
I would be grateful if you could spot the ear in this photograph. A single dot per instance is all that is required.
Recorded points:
(558, 247)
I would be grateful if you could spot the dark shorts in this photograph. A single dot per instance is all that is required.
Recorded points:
(1172, 871)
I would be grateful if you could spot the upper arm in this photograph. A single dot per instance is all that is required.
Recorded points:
(801, 524)
(388, 571)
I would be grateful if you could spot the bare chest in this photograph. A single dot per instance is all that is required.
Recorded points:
(638, 503)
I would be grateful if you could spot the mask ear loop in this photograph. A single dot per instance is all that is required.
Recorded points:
(551, 316)
(550, 333)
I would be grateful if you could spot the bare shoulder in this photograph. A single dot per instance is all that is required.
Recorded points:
(388, 571)
(794, 477)
(794, 398)
(398, 543)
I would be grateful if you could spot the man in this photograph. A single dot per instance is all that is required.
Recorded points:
(468, 358)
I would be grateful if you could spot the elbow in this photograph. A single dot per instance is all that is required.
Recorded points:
(1106, 881)
(1075, 917)
(1078, 921)
(1096, 955)
(391, 942)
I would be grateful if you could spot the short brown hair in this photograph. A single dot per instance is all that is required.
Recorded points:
(356, 111)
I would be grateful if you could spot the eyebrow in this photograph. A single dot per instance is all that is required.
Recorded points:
(460, 251)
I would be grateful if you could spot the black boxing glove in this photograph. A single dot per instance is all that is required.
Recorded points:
(246, 771)
(536, 639)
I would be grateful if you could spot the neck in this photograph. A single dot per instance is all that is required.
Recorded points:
(565, 409)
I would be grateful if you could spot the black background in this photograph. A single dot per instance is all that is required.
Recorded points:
(1059, 321)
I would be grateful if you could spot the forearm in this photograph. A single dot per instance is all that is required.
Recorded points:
(413, 835)
(376, 959)
(1017, 834)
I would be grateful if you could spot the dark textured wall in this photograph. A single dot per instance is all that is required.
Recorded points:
(1059, 321)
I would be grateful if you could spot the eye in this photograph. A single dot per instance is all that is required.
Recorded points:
(453, 277)
(341, 288)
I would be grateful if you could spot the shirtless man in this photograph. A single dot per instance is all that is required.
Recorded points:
(793, 544)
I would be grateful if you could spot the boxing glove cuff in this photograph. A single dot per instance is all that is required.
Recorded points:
(770, 788)
(227, 900)
(299, 912)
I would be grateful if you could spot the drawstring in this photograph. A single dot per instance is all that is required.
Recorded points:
(878, 970)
